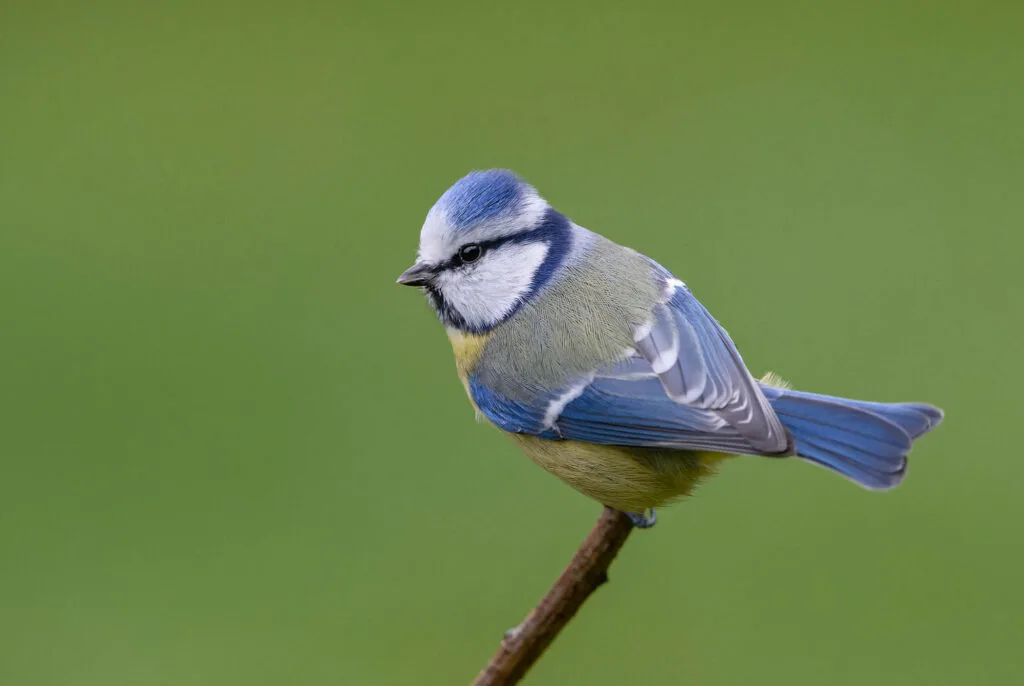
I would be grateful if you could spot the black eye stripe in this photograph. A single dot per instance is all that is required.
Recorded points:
(485, 246)
(471, 252)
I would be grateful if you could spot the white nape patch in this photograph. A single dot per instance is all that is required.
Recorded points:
(439, 240)
(484, 292)
(557, 406)
(531, 210)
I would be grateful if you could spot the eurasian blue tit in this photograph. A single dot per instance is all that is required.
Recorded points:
(608, 372)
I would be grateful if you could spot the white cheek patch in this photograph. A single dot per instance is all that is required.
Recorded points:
(484, 293)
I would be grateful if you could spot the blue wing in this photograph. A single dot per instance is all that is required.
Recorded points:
(699, 366)
(683, 387)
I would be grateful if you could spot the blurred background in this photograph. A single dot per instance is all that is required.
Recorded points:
(234, 452)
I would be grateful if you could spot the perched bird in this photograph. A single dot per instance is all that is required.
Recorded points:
(608, 372)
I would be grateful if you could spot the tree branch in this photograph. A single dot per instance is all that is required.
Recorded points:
(588, 569)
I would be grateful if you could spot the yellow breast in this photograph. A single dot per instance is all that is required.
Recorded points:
(467, 348)
(630, 479)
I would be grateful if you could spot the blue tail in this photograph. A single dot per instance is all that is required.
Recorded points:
(865, 442)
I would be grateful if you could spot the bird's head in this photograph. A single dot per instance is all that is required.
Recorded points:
(488, 245)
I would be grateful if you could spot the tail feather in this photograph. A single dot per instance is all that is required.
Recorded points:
(852, 467)
(865, 450)
(916, 419)
(866, 442)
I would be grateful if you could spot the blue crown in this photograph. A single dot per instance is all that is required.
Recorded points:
(482, 195)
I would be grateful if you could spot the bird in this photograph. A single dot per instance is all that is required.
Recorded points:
(607, 371)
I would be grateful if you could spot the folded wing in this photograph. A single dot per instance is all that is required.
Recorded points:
(683, 387)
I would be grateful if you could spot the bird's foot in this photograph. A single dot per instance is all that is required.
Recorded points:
(642, 521)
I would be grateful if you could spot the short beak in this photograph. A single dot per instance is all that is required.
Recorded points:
(417, 275)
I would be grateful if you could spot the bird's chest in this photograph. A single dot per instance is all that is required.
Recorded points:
(468, 348)
(550, 344)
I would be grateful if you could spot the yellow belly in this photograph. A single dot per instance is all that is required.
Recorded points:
(629, 479)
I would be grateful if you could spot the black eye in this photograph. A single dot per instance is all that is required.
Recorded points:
(471, 252)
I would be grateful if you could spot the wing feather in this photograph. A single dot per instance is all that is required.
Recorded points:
(683, 387)
(699, 367)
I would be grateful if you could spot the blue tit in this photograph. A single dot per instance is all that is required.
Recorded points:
(607, 371)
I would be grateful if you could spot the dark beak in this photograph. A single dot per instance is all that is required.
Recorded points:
(417, 275)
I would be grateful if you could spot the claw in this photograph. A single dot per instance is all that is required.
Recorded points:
(642, 521)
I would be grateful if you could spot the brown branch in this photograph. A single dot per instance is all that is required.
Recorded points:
(524, 645)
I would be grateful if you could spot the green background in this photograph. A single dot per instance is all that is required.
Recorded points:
(234, 452)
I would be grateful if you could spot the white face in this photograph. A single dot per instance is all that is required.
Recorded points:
(484, 291)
